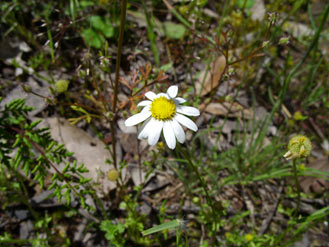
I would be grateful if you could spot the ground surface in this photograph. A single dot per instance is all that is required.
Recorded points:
(229, 60)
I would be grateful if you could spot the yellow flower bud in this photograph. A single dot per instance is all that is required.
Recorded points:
(299, 146)
(248, 237)
(302, 167)
(160, 146)
(113, 175)
(284, 41)
(61, 86)
(196, 200)
(184, 9)
(299, 116)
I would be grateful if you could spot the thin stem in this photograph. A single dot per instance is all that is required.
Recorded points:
(294, 165)
(292, 73)
(24, 193)
(116, 80)
(42, 152)
(310, 48)
(289, 226)
(203, 183)
(120, 41)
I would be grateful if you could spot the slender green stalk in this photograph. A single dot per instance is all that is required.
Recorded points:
(195, 169)
(292, 73)
(24, 193)
(23, 242)
(151, 34)
(116, 80)
(295, 214)
(186, 23)
(310, 48)
(294, 166)
(221, 19)
(202, 182)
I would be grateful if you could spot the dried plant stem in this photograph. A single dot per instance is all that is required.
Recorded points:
(116, 80)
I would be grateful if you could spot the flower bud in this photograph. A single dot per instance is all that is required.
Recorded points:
(248, 237)
(299, 146)
(196, 200)
(113, 175)
(299, 116)
(26, 88)
(284, 41)
(61, 86)
(265, 43)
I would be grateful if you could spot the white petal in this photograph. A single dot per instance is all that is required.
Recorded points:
(155, 131)
(178, 130)
(147, 108)
(188, 110)
(143, 131)
(169, 135)
(137, 118)
(144, 103)
(179, 100)
(163, 94)
(186, 122)
(172, 91)
(150, 95)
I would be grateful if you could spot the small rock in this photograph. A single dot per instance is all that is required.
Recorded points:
(125, 129)
(25, 229)
(21, 214)
(258, 11)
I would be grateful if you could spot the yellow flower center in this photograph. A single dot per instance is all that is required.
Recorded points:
(163, 109)
(300, 146)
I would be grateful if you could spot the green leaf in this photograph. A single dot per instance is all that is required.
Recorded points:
(86, 4)
(112, 230)
(165, 226)
(35, 123)
(103, 25)
(166, 67)
(92, 38)
(173, 30)
(248, 4)
(317, 215)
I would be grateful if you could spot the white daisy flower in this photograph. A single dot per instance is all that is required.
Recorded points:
(164, 111)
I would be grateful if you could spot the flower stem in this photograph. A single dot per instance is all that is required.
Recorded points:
(116, 80)
(202, 181)
(294, 165)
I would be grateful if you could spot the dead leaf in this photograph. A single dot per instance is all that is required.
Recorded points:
(38, 103)
(233, 110)
(138, 176)
(297, 30)
(258, 11)
(212, 78)
(87, 150)
(313, 184)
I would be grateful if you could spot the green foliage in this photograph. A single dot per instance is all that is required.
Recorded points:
(25, 147)
(129, 229)
(101, 28)
(165, 226)
(173, 30)
(179, 35)
(113, 232)
(103, 25)
(92, 38)
(245, 3)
